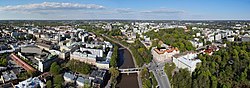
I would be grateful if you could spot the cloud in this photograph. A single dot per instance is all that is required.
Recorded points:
(51, 6)
(164, 11)
(124, 10)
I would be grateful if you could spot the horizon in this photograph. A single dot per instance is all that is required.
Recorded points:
(124, 10)
(120, 20)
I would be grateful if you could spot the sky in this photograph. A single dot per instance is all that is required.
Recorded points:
(124, 9)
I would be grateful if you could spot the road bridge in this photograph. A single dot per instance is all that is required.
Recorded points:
(130, 70)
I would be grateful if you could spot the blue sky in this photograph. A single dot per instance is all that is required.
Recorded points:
(125, 9)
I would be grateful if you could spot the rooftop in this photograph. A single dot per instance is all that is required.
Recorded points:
(30, 83)
(98, 73)
(165, 48)
(69, 76)
(8, 76)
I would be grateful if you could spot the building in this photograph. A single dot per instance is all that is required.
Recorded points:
(164, 53)
(186, 60)
(7, 85)
(96, 52)
(218, 37)
(97, 76)
(230, 38)
(6, 48)
(85, 57)
(22, 63)
(81, 82)
(196, 43)
(40, 58)
(76, 78)
(31, 49)
(210, 49)
(8, 76)
(68, 77)
(210, 38)
(31, 83)
(44, 46)
(103, 64)
(45, 60)
(101, 74)
(198, 34)
(245, 38)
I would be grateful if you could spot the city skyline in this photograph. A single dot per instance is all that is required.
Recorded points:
(124, 10)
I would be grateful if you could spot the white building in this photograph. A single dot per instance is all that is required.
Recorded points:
(230, 38)
(68, 77)
(186, 60)
(217, 37)
(96, 52)
(83, 57)
(196, 43)
(210, 38)
(31, 83)
(198, 34)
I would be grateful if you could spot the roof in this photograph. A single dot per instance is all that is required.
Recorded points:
(189, 59)
(80, 79)
(208, 51)
(8, 76)
(182, 54)
(69, 75)
(98, 73)
(162, 51)
(29, 83)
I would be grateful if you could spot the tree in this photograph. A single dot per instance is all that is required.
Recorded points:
(49, 84)
(182, 79)
(169, 68)
(114, 57)
(243, 75)
(55, 68)
(29, 36)
(214, 82)
(58, 86)
(226, 68)
(146, 79)
(114, 74)
(32, 74)
(141, 50)
(78, 66)
(3, 61)
(58, 80)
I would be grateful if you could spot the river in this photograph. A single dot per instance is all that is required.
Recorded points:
(126, 61)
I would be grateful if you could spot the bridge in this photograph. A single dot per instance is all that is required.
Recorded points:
(130, 70)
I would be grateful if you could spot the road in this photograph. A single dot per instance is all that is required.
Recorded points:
(160, 75)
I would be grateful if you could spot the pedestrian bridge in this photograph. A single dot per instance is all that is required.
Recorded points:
(130, 70)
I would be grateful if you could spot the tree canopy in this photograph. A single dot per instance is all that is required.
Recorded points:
(176, 37)
(114, 74)
(55, 68)
(3, 61)
(78, 66)
(228, 67)
(114, 57)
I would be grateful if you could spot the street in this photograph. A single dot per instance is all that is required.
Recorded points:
(160, 75)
